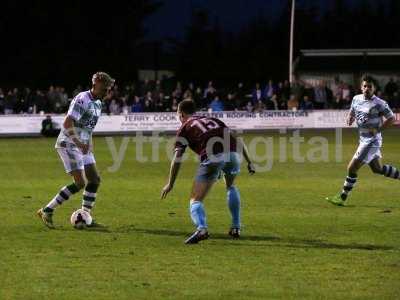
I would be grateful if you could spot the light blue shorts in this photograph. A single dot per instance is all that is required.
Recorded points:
(212, 168)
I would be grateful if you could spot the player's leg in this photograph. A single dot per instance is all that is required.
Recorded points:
(200, 190)
(93, 183)
(231, 169)
(67, 191)
(385, 170)
(365, 153)
(351, 179)
(73, 164)
(376, 166)
(207, 174)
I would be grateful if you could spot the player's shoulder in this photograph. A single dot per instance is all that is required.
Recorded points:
(219, 121)
(379, 101)
(358, 98)
(184, 126)
(82, 98)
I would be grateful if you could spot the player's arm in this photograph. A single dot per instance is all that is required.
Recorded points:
(173, 173)
(69, 126)
(387, 123)
(352, 115)
(245, 151)
(389, 117)
(350, 119)
(74, 114)
(180, 147)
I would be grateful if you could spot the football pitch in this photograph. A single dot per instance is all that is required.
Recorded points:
(294, 244)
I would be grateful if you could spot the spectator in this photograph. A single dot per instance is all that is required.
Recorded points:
(216, 104)
(191, 87)
(336, 88)
(158, 87)
(240, 95)
(286, 90)
(174, 105)
(188, 94)
(269, 90)
(257, 94)
(177, 93)
(308, 91)
(58, 106)
(296, 89)
(209, 92)
(306, 104)
(149, 97)
(160, 103)
(56, 99)
(329, 94)
(20, 104)
(48, 128)
(259, 106)
(40, 102)
(51, 99)
(320, 98)
(64, 99)
(346, 102)
(123, 105)
(28, 100)
(272, 103)
(137, 105)
(346, 92)
(231, 103)
(391, 88)
(293, 103)
(146, 86)
(2, 98)
(338, 102)
(282, 103)
(396, 101)
(10, 102)
(114, 108)
(107, 101)
(198, 98)
(279, 89)
(249, 107)
(159, 106)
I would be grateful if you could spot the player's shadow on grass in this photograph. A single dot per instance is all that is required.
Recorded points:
(276, 241)
(217, 236)
(96, 229)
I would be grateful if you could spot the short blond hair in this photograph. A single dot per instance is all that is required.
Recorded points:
(104, 77)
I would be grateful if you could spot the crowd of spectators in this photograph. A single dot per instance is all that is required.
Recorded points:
(162, 96)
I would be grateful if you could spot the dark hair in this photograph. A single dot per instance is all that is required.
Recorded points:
(368, 78)
(187, 106)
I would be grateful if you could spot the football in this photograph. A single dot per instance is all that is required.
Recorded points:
(80, 219)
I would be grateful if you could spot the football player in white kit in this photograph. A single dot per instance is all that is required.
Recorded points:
(74, 146)
(372, 115)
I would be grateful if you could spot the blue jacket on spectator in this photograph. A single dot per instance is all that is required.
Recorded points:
(137, 107)
(306, 105)
(257, 95)
(216, 105)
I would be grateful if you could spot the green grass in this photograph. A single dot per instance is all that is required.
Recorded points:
(295, 245)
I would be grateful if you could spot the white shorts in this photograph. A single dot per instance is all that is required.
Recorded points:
(74, 159)
(368, 151)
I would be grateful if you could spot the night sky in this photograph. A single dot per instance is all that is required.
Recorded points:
(171, 19)
(47, 41)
